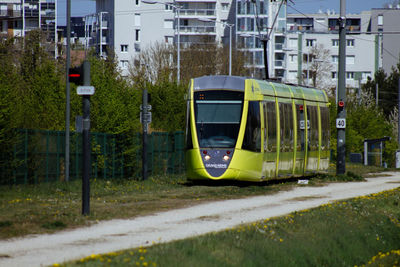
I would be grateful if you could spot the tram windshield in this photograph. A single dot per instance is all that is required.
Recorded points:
(217, 122)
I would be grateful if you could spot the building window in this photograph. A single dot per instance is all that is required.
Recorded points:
(137, 47)
(350, 75)
(124, 64)
(334, 75)
(168, 24)
(292, 42)
(380, 20)
(137, 2)
(335, 59)
(350, 59)
(124, 48)
(225, 6)
(137, 35)
(137, 19)
(169, 39)
(335, 42)
(168, 7)
(293, 58)
(350, 42)
(310, 42)
(365, 75)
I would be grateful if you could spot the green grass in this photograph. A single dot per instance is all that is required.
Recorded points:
(360, 231)
(50, 207)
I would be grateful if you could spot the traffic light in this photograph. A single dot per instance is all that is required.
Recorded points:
(340, 105)
(76, 75)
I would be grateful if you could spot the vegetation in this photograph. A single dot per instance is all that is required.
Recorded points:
(48, 207)
(361, 231)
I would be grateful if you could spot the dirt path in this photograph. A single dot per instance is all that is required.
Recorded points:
(178, 224)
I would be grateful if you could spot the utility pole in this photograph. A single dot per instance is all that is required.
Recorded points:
(341, 113)
(398, 112)
(67, 93)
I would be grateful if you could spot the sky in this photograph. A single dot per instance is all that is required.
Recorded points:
(85, 7)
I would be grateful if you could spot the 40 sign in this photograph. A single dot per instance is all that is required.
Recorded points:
(340, 123)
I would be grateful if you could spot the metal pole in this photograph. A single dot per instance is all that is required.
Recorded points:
(377, 94)
(179, 45)
(67, 112)
(86, 148)
(308, 67)
(230, 50)
(398, 112)
(341, 133)
(145, 125)
(265, 43)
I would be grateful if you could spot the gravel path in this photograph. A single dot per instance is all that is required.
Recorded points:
(115, 235)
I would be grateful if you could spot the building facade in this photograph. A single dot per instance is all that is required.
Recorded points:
(17, 17)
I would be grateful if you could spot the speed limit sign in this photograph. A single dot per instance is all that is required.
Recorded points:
(340, 123)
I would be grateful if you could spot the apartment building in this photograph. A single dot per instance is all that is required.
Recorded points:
(385, 23)
(17, 17)
(255, 22)
(313, 42)
(128, 26)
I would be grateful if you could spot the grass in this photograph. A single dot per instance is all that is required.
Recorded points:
(50, 207)
(364, 231)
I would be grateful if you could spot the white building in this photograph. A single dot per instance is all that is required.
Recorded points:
(128, 26)
(321, 31)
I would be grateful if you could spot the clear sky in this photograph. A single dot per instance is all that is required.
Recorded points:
(84, 7)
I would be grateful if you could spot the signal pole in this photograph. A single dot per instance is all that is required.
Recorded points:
(341, 112)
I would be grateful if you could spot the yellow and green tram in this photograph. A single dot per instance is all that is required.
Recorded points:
(246, 129)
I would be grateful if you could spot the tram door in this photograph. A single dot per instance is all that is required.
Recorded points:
(312, 139)
(300, 141)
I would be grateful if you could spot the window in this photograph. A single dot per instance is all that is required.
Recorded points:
(124, 48)
(168, 7)
(270, 114)
(286, 123)
(334, 75)
(350, 75)
(292, 42)
(325, 128)
(365, 75)
(169, 39)
(225, 6)
(312, 117)
(335, 42)
(124, 64)
(335, 59)
(350, 42)
(137, 47)
(293, 58)
(380, 20)
(137, 2)
(168, 24)
(350, 59)
(137, 19)
(252, 135)
(310, 42)
(137, 35)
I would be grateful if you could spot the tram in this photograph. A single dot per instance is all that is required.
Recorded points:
(245, 129)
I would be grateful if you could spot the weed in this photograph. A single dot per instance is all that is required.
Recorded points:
(54, 225)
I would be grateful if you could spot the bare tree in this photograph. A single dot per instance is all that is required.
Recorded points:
(320, 67)
(158, 62)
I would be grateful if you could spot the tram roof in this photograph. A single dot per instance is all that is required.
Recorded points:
(271, 88)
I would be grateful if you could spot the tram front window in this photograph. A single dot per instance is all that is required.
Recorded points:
(218, 122)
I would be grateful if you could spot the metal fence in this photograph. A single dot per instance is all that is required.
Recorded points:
(39, 156)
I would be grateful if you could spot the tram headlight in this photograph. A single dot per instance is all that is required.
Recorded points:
(226, 158)
(207, 157)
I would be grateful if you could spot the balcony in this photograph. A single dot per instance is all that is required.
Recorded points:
(197, 30)
(196, 13)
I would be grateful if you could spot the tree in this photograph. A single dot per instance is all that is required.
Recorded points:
(320, 67)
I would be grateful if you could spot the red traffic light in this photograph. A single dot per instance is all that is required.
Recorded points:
(341, 104)
(75, 75)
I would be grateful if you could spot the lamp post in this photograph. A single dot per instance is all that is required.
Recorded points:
(177, 11)
(224, 24)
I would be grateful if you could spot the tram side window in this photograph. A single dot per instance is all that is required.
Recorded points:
(286, 123)
(271, 118)
(252, 135)
(312, 116)
(325, 127)
(300, 127)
